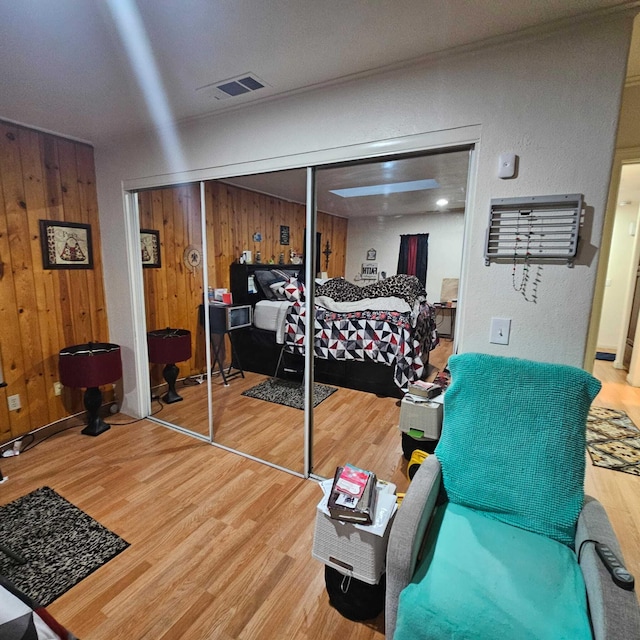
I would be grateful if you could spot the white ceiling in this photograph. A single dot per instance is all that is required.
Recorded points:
(64, 67)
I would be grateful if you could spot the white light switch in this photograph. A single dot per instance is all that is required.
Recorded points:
(500, 329)
(507, 165)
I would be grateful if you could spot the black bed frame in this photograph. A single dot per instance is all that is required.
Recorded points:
(258, 351)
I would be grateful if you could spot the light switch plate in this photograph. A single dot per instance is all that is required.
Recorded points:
(500, 330)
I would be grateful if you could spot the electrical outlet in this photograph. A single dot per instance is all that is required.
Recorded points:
(14, 402)
(57, 388)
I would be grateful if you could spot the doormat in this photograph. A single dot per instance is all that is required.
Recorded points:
(60, 543)
(288, 393)
(613, 440)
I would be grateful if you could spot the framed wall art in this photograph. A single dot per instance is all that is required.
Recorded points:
(66, 245)
(150, 248)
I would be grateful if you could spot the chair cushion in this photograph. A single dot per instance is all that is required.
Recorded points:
(513, 440)
(483, 579)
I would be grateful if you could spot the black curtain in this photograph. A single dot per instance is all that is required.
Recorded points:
(414, 252)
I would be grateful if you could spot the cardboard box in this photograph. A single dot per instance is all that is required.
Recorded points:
(421, 420)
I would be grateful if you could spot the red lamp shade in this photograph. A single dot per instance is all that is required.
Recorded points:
(90, 365)
(168, 346)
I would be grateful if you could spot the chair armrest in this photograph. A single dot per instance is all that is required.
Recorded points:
(615, 613)
(406, 535)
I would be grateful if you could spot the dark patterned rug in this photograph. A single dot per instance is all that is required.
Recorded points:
(60, 543)
(613, 441)
(288, 393)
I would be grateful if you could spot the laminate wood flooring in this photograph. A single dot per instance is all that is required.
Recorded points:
(220, 544)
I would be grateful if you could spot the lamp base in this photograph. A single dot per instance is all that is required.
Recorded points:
(170, 373)
(96, 427)
(92, 402)
(171, 397)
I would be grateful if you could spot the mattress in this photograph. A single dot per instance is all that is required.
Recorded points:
(270, 315)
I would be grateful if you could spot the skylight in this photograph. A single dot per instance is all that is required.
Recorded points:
(385, 189)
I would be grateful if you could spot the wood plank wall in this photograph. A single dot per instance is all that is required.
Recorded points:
(173, 293)
(237, 214)
(43, 177)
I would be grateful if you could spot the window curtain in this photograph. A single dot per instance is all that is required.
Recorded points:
(414, 252)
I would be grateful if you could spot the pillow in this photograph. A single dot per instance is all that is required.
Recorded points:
(340, 290)
(277, 291)
(267, 277)
(294, 290)
(513, 441)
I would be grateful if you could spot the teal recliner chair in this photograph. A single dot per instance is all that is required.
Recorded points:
(495, 539)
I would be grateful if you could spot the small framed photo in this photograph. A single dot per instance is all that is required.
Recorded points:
(66, 245)
(369, 271)
(371, 255)
(150, 248)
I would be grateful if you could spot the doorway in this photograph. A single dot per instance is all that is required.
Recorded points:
(620, 301)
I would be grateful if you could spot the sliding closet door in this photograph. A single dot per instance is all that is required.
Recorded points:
(255, 232)
(361, 370)
(173, 275)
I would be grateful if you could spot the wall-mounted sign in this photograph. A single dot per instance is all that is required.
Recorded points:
(371, 255)
(284, 234)
(369, 270)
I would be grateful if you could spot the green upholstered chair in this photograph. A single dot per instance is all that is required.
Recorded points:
(495, 538)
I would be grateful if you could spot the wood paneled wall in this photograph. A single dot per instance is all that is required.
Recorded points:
(43, 177)
(234, 215)
(173, 293)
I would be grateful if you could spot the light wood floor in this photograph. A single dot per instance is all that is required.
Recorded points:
(221, 545)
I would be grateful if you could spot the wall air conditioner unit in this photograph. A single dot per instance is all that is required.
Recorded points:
(233, 87)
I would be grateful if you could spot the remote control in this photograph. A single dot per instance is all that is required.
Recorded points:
(619, 574)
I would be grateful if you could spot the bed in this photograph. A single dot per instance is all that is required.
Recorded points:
(375, 338)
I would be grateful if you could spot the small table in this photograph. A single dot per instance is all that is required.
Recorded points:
(219, 327)
(354, 551)
(452, 308)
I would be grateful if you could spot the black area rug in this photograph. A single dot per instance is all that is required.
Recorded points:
(60, 543)
(288, 393)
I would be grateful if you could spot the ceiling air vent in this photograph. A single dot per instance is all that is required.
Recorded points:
(233, 87)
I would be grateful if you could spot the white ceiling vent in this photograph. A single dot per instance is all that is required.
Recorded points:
(233, 87)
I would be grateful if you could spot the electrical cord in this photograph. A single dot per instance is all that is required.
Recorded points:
(31, 444)
(582, 545)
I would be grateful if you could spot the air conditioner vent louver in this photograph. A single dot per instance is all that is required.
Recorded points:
(233, 87)
(536, 228)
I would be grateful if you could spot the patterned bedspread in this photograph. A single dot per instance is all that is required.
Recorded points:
(387, 337)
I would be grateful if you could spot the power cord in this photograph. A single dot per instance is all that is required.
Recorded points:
(582, 545)
(30, 444)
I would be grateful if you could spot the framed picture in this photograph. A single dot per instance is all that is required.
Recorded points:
(66, 245)
(150, 248)
(284, 234)
(369, 271)
(371, 255)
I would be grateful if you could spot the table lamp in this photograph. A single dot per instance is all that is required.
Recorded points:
(90, 366)
(168, 346)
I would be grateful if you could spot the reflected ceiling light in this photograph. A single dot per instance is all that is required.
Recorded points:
(442, 202)
(385, 189)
